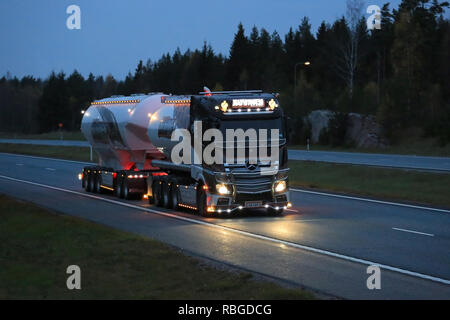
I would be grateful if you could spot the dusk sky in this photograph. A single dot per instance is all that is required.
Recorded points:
(116, 34)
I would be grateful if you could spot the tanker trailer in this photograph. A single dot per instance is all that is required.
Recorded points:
(133, 137)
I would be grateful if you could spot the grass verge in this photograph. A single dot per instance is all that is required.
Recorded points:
(395, 184)
(66, 135)
(37, 246)
(68, 153)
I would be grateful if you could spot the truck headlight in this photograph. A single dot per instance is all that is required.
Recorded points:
(280, 186)
(223, 189)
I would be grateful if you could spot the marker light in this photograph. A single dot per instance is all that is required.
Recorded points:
(272, 104)
(223, 189)
(280, 186)
(224, 106)
(80, 176)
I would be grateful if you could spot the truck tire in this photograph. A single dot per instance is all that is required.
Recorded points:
(125, 192)
(156, 191)
(173, 195)
(84, 180)
(97, 183)
(165, 194)
(90, 182)
(201, 202)
(118, 187)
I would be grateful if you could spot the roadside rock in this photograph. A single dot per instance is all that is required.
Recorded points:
(362, 130)
(319, 120)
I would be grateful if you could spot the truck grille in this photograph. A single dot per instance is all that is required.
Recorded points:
(253, 183)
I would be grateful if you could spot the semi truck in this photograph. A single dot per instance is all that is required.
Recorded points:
(133, 137)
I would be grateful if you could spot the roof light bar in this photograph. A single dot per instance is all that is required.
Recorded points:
(116, 102)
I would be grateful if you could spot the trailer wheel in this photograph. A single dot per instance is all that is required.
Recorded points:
(156, 191)
(165, 194)
(201, 202)
(84, 180)
(97, 183)
(173, 195)
(90, 182)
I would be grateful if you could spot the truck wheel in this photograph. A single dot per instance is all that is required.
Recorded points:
(118, 188)
(156, 191)
(90, 182)
(125, 194)
(84, 180)
(173, 195)
(201, 203)
(165, 195)
(97, 183)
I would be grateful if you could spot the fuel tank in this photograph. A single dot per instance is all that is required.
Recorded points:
(128, 132)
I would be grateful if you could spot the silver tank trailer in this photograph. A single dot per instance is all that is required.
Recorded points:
(129, 132)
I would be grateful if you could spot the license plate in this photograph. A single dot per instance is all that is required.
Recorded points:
(253, 204)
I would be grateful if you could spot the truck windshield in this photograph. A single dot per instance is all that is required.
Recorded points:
(254, 124)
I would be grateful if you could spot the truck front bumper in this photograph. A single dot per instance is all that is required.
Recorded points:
(222, 204)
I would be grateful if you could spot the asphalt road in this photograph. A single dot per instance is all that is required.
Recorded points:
(325, 242)
(371, 159)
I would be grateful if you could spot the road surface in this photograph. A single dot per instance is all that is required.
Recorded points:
(371, 159)
(325, 242)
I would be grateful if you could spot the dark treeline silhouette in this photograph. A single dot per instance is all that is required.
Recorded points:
(399, 73)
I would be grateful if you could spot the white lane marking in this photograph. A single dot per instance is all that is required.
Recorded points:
(241, 232)
(371, 200)
(50, 169)
(412, 231)
(19, 164)
(292, 189)
(293, 210)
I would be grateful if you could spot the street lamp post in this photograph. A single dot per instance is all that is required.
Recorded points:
(306, 63)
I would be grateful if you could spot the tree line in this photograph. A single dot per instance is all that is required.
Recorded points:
(398, 73)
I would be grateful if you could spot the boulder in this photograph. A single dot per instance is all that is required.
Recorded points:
(362, 130)
(319, 120)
